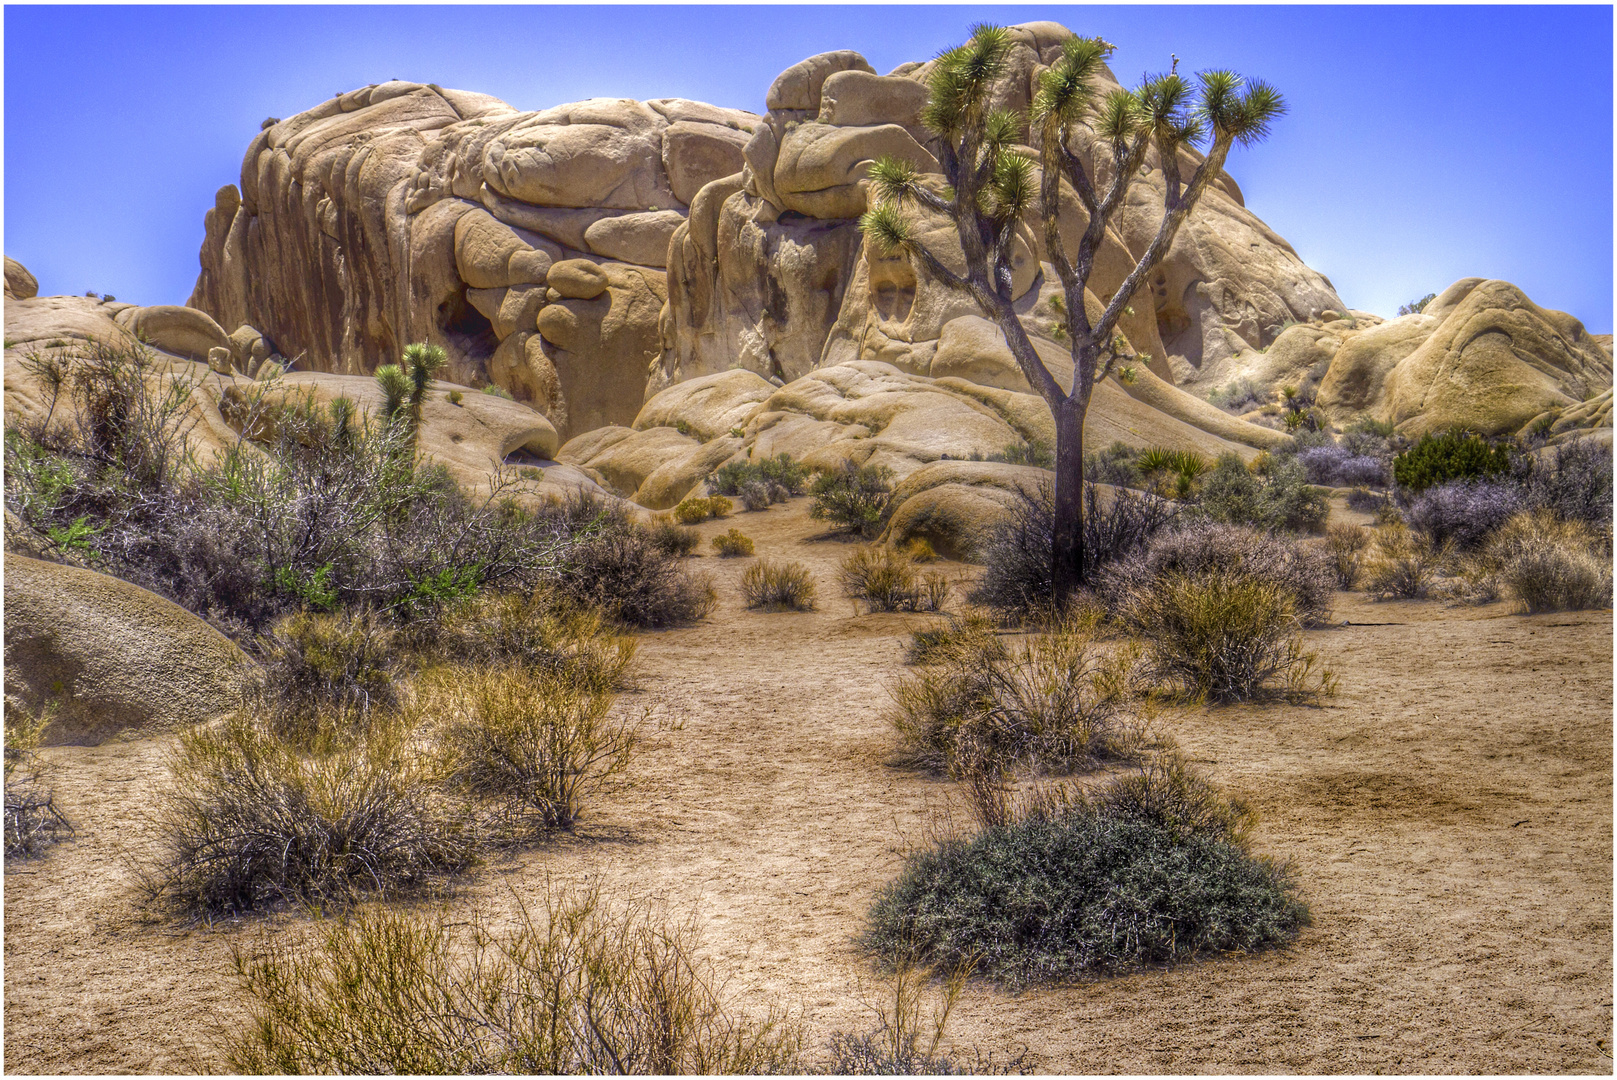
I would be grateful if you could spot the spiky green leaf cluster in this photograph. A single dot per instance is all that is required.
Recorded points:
(395, 387)
(1066, 89)
(962, 78)
(1011, 191)
(887, 228)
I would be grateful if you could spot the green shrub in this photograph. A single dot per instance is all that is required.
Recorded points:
(250, 820)
(579, 986)
(1415, 307)
(1089, 887)
(854, 498)
(531, 745)
(695, 510)
(732, 544)
(1223, 634)
(778, 586)
(779, 470)
(1281, 498)
(1454, 455)
(1036, 453)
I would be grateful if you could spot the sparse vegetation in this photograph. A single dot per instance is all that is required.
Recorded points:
(579, 986)
(630, 578)
(979, 706)
(887, 580)
(33, 820)
(1274, 494)
(695, 510)
(1150, 869)
(1550, 564)
(1346, 543)
(1415, 307)
(779, 472)
(854, 497)
(732, 544)
(778, 586)
(673, 539)
(1402, 564)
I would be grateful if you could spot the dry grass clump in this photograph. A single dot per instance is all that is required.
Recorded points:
(528, 744)
(250, 819)
(931, 644)
(326, 670)
(733, 544)
(583, 986)
(1402, 564)
(674, 539)
(887, 580)
(33, 821)
(1057, 700)
(920, 550)
(539, 630)
(1152, 867)
(694, 511)
(1346, 544)
(777, 586)
(1550, 564)
(1224, 635)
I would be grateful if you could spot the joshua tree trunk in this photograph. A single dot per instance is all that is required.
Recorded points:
(1067, 534)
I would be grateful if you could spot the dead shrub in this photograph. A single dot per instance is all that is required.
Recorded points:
(776, 586)
(1223, 635)
(584, 986)
(249, 820)
(1401, 564)
(531, 745)
(1057, 700)
(672, 539)
(633, 581)
(322, 670)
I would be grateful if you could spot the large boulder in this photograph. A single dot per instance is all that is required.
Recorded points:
(20, 284)
(1495, 361)
(108, 657)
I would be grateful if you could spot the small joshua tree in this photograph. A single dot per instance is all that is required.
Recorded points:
(404, 386)
(992, 187)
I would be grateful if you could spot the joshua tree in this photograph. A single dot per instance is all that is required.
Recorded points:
(405, 386)
(991, 187)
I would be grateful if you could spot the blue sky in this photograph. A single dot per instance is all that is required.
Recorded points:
(1424, 144)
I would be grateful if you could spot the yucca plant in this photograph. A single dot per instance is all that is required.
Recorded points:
(992, 187)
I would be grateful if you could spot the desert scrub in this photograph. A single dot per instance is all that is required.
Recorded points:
(1224, 635)
(1274, 494)
(632, 580)
(1016, 580)
(540, 630)
(1401, 564)
(1090, 886)
(919, 549)
(1454, 455)
(1194, 547)
(732, 544)
(779, 472)
(1056, 700)
(1463, 512)
(530, 746)
(1346, 544)
(33, 821)
(776, 586)
(930, 644)
(674, 539)
(1550, 564)
(886, 580)
(577, 985)
(249, 820)
(694, 511)
(853, 497)
(324, 669)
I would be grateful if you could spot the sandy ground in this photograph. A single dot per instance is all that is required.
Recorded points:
(1450, 814)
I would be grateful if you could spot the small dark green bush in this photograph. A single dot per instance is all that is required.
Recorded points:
(1454, 455)
(779, 470)
(854, 497)
(1232, 494)
(1087, 889)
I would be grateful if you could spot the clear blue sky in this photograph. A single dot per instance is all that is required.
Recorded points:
(1424, 144)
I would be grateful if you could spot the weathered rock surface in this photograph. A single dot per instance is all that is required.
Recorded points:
(406, 212)
(110, 656)
(20, 284)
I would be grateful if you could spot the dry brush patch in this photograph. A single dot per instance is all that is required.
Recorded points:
(778, 586)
